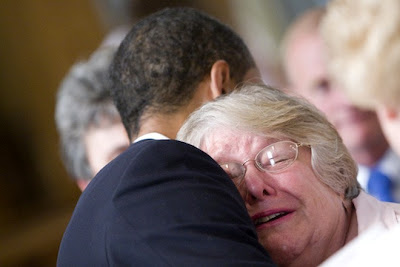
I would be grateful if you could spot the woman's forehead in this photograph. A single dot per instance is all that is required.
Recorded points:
(223, 141)
(227, 135)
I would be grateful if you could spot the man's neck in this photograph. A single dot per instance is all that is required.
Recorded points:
(167, 125)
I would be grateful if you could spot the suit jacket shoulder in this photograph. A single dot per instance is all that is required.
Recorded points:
(161, 203)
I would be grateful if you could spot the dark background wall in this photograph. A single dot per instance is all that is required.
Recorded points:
(40, 40)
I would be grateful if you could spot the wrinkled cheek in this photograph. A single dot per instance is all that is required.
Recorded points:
(243, 191)
(279, 244)
(281, 249)
(270, 241)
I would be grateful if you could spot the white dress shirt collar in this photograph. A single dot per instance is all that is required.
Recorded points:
(154, 135)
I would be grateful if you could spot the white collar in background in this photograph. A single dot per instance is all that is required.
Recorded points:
(154, 135)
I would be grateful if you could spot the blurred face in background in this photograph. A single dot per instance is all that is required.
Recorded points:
(306, 68)
(389, 119)
(103, 143)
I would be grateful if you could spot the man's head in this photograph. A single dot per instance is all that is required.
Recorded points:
(306, 68)
(88, 123)
(167, 57)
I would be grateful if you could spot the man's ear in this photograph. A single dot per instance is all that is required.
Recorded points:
(220, 79)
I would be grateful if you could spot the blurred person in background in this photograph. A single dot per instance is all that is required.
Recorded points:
(363, 44)
(90, 128)
(306, 67)
(365, 41)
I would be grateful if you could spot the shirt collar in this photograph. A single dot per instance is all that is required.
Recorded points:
(154, 135)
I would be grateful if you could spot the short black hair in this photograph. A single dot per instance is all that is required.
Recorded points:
(165, 56)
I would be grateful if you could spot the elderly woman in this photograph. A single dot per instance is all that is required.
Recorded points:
(295, 175)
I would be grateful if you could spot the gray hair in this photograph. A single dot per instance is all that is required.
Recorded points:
(261, 109)
(83, 101)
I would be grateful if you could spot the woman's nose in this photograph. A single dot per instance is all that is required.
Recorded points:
(257, 184)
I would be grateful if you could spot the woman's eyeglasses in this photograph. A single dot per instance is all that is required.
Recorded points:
(272, 158)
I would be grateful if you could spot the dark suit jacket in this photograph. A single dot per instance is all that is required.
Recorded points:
(161, 203)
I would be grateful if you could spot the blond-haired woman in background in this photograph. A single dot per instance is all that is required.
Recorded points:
(363, 40)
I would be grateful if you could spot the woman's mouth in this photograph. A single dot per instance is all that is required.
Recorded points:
(269, 218)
